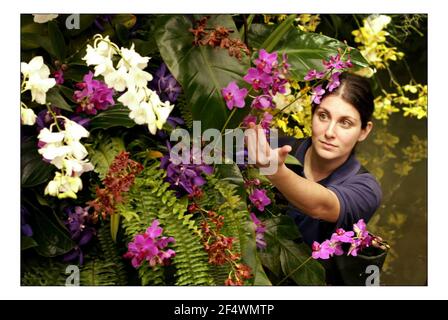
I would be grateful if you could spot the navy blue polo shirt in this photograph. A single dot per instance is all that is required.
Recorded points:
(358, 192)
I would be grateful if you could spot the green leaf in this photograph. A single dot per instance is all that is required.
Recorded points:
(85, 21)
(122, 33)
(284, 257)
(116, 116)
(67, 92)
(297, 264)
(57, 100)
(114, 225)
(290, 159)
(27, 242)
(305, 50)
(103, 153)
(56, 39)
(127, 20)
(277, 35)
(145, 48)
(232, 173)
(34, 170)
(202, 71)
(49, 233)
(251, 257)
(76, 72)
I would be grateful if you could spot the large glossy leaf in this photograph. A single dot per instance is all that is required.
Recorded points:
(55, 97)
(57, 40)
(284, 257)
(117, 116)
(34, 170)
(305, 50)
(49, 233)
(202, 71)
(251, 257)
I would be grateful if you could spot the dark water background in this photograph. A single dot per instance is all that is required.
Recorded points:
(402, 217)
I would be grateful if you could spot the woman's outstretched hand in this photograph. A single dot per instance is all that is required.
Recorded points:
(260, 152)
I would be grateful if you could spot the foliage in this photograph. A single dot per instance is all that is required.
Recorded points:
(202, 55)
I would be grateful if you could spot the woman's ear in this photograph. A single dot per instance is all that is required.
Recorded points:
(365, 132)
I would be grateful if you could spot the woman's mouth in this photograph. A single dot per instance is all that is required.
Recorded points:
(328, 145)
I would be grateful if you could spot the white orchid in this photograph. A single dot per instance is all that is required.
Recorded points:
(139, 77)
(74, 131)
(67, 153)
(36, 79)
(162, 111)
(44, 18)
(376, 23)
(63, 186)
(131, 59)
(28, 116)
(129, 76)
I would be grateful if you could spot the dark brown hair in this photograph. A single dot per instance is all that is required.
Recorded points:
(355, 90)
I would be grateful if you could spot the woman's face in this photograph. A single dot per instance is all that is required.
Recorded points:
(336, 128)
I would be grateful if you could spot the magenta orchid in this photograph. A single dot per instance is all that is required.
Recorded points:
(148, 246)
(318, 92)
(259, 199)
(234, 96)
(259, 231)
(358, 239)
(266, 61)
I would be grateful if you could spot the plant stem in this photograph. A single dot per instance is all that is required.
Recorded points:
(294, 271)
(228, 119)
(54, 117)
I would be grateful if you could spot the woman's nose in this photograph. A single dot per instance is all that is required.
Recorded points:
(329, 133)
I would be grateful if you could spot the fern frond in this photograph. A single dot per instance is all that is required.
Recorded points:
(185, 111)
(47, 272)
(98, 272)
(104, 152)
(150, 198)
(111, 255)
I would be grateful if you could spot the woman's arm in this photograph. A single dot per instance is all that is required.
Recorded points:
(309, 197)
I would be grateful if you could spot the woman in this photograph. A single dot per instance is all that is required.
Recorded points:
(330, 190)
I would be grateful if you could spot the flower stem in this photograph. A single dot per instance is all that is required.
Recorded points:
(54, 117)
(228, 119)
(294, 271)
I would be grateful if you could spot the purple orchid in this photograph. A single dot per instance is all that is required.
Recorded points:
(93, 96)
(266, 120)
(184, 178)
(322, 251)
(80, 225)
(334, 82)
(318, 92)
(262, 102)
(234, 96)
(342, 236)
(335, 62)
(266, 61)
(250, 118)
(258, 79)
(358, 239)
(259, 199)
(24, 226)
(59, 76)
(278, 84)
(165, 84)
(314, 74)
(259, 231)
(148, 246)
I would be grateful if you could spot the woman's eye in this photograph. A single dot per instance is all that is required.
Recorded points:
(346, 124)
(322, 116)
